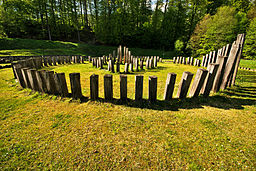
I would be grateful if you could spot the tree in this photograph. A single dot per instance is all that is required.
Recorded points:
(220, 31)
(196, 40)
(250, 41)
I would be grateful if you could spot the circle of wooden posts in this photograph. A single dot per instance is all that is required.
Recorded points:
(220, 73)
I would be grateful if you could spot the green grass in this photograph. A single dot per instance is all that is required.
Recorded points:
(44, 132)
(248, 63)
(30, 47)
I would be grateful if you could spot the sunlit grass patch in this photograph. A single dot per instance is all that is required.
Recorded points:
(39, 131)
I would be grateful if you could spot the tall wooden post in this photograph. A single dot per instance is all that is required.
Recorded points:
(24, 72)
(94, 87)
(222, 61)
(108, 87)
(62, 84)
(123, 87)
(152, 88)
(198, 82)
(230, 66)
(138, 87)
(184, 84)
(169, 86)
(32, 79)
(75, 85)
(207, 87)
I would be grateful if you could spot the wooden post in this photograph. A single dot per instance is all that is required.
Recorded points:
(152, 62)
(206, 60)
(214, 57)
(136, 64)
(152, 88)
(117, 66)
(191, 60)
(203, 61)
(19, 75)
(174, 60)
(40, 75)
(198, 62)
(138, 87)
(155, 62)
(141, 64)
(184, 84)
(240, 42)
(45, 62)
(227, 50)
(108, 87)
(210, 58)
(126, 65)
(57, 85)
(24, 72)
(32, 79)
(147, 63)
(75, 85)
(61, 84)
(50, 82)
(123, 87)
(230, 66)
(50, 61)
(207, 87)
(222, 61)
(184, 60)
(54, 60)
(94, 87)
(169, 86)
(188, 60)
(198, 82)
(131, 66)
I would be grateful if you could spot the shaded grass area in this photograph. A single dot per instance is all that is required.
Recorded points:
(46, 132)
(29, 47)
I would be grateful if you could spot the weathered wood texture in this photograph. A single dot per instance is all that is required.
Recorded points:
(24, 72)
(198, 82)
(61, 84)
(20, 77)
(152, 88)
(94, 87)
(207, 87)
(230, 66)
(222, 61)
(32, 79)
(169, 86)
(123, 87)
(184, 84)
(138, 87)
(108, 87)
(75, 85)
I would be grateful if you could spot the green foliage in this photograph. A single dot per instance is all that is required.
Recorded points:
(250, 41)
(196, 40)
(215, 32)
(241, 5)
(179, 45)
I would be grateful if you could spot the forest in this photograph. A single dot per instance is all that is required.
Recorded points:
(191, 27)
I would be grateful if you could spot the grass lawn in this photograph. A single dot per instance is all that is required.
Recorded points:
(30, 47)
(38, 131)
(248, 63)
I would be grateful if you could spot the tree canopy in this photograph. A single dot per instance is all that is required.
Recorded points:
(142, 23)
